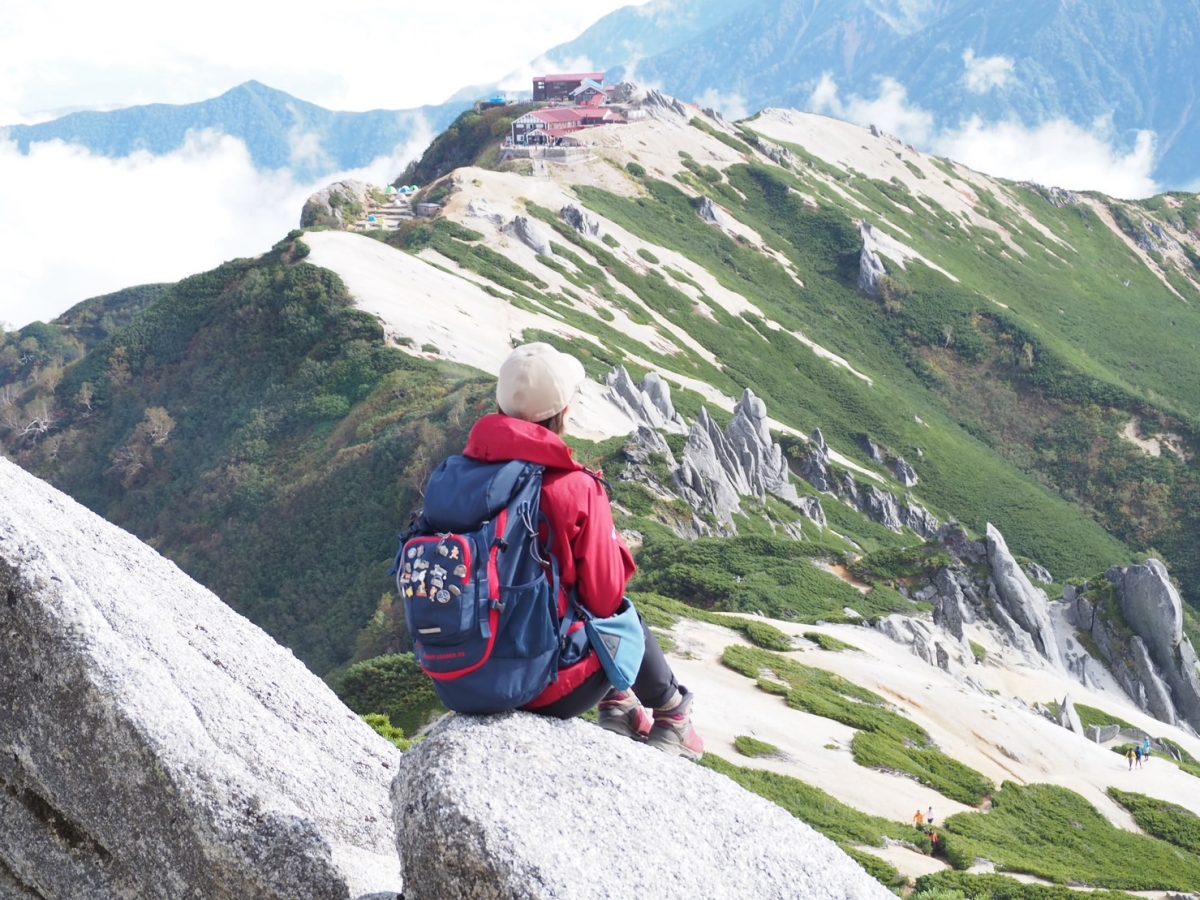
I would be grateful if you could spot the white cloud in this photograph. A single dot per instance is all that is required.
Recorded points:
(986, 73)
(1057, 152)
(656, 9)
(890, 111)
(74, 225)
(305, 149)
(732, 105)
(356, 54)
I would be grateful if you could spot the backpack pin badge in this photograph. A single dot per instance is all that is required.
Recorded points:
(443, 550)
(443, 596)
(460, 571)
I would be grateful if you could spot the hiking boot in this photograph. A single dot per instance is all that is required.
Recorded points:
(673, 732)
(621, 713)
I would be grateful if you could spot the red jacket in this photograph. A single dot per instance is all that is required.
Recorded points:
(576, 505)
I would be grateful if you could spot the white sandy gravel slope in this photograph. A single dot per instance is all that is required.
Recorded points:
(420, 303)
(416, 300)
(994, 733)
(885, 157)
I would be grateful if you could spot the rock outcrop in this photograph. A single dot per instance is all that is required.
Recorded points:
(711, 213)
(581, 220)
(658, 105)
(531, 235)
(1040, 573)
(337, 205)
(1068, 716)
(1028, 606)
(521, 806)
(648, 403)
(871, 270)
(904, 472)
(924, 640)
(479, 208)
(869, 499)
(154, 744)
(1153, 609)
(719, 468)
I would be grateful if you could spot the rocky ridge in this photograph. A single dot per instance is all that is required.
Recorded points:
(869, 499)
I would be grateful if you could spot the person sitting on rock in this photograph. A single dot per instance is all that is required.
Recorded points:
(535, 386)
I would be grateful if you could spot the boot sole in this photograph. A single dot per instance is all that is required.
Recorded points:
(622, 728)
(675, 748)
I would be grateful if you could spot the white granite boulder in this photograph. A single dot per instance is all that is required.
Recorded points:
(520, 806)
(155, 744)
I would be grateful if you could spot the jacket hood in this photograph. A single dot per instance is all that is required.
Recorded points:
(500, 438)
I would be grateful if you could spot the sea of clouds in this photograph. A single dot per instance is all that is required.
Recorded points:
(75, 225)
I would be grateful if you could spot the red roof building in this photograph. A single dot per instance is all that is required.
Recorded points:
(560, 86)
(545, 125)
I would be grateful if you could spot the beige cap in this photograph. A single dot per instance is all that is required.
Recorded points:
(537, 382)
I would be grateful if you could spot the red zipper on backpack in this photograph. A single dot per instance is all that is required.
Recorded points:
(493, 613)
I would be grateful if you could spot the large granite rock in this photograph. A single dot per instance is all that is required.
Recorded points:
(154, 744)
(711, 213)
(1068, 716)
(1154, 610)
(1153, 694)
(518, 806)
(924, 640)
(1025, 604)
(337, 205)
(904, 472)
(949, 603)
(657, 105)
(530, 234)
(1151, 606)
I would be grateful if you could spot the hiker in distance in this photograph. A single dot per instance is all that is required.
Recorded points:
(514, 577)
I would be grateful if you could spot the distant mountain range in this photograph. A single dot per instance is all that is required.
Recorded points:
(1133, 61)
(279, 130)
(1130, 63)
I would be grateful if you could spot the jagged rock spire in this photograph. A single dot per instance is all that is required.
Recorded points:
(1028, 606)
(648, 403)
(719, 468)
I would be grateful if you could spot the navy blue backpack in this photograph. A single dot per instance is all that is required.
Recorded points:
(482, 612)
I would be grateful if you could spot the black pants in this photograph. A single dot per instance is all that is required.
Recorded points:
(655, 685)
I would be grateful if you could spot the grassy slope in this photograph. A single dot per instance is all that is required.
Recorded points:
(958, 472)
(1050, 832)
(291, 464)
